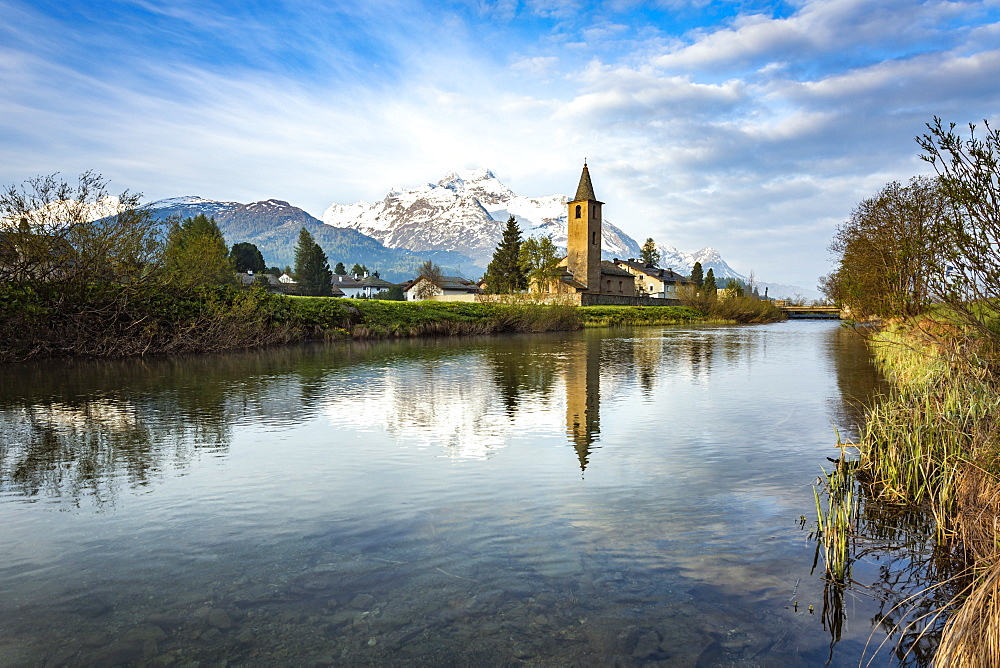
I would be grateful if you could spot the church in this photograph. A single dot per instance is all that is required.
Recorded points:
(583, 270)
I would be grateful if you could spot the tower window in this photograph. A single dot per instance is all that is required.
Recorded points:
(593, 238)
(578, 207)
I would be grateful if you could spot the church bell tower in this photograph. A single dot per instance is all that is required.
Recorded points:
(583, 245)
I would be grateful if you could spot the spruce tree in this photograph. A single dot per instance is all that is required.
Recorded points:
(505, 274)
(340, 270)
(312, 269)
(697, 275)
(247, 257)
(710, 285)
(649, 254)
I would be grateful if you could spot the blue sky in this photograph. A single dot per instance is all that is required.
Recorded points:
(753, 127)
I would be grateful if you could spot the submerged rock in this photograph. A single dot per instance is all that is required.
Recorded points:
(219, 618)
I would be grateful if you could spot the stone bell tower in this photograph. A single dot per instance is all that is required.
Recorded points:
(583, 245)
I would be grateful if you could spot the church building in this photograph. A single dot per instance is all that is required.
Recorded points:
(583, 270)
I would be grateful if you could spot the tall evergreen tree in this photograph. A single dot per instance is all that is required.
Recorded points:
(505, 274)
(697, 275)
(710, 283)
(312, 269)
(340, 269)
(649, 254)
(247, 257)
(196, 253)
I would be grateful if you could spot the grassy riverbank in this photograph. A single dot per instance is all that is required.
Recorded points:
(122, 321)
(131, 320)
(724, 311)
(618, 316)
(933, 446)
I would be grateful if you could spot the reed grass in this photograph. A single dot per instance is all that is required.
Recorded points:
(932, 444)
(836, 523)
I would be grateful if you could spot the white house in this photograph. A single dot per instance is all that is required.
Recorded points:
(446, 287)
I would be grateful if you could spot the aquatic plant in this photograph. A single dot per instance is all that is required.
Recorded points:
(836, 522)
(931, 446)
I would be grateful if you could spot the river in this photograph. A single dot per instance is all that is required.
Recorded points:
(618, 496)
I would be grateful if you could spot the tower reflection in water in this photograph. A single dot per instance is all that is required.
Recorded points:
(583, 396)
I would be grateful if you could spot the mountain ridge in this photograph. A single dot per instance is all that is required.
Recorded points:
(273, 226)
(456, 222)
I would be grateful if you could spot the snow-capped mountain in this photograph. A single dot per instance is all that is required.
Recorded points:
(464, 212)
(273, 225)
(683, 263)
(456, 222)
(58, 213)
(710, 258)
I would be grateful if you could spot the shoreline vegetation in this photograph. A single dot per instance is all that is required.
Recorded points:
(125, 321)
(930, 449)
(87, 274)
(923, 481)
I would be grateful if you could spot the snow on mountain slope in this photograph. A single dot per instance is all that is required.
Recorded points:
(465, 212)
(60, 213)
(682, 263)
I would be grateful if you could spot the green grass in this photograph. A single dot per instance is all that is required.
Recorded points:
(119, 321)
(372, 318)
(618, 316)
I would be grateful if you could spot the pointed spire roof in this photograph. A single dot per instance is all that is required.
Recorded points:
(585, 191)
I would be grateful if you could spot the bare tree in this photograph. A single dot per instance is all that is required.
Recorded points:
(889, 251)
(55, 234)
(967, 278)
(429, 287)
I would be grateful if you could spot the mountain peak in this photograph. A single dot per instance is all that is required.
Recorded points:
(460, 180)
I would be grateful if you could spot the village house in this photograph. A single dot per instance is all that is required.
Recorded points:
(360, 287)
(349, 286)
(652, 281)
(452, 288)
(249, 278)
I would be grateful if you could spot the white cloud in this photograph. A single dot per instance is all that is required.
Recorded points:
(756, 137)
(537, 66)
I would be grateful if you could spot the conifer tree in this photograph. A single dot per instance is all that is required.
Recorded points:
(312, 269)
(710, 284)
(697, 275)
(649, 254)
(505, 274)
(247, 257)
(340, 269)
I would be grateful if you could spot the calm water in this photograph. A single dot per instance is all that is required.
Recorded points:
(597, 497)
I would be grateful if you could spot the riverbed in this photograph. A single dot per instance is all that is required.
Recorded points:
(624, 496)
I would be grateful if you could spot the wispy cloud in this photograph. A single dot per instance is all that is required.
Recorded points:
(753, 132)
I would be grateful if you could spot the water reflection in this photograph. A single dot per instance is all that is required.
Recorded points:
(583, 396)
(423, 502)
(88, 428)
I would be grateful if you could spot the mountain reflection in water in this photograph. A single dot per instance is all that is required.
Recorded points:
(600, 496)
